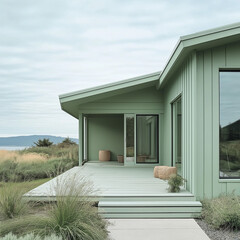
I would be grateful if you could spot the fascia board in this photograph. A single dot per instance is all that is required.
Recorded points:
(108, 87)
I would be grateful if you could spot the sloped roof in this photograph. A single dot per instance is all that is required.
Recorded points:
(70, 101)
(199, 41)
(186, 44)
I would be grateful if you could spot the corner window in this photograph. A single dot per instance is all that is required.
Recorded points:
(229, 130)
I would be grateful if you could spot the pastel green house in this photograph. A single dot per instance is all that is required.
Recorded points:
(186, 116)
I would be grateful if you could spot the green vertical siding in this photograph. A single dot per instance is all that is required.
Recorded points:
(200, 150)
(197, 81)
(143, 101)
(182, 83)
(208, 64)
(105, 132)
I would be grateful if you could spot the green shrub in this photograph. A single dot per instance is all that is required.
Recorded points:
(51, 168)
(30, 236)
(45, 142)
(70, 152)
(11, 171)
(175, 182)
(222, 212)
(67, 142)
(72, 217)
(20, 226)
(7, 171)
(11, 202)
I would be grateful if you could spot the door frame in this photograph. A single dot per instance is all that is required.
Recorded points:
(173, 133)
(129, 161)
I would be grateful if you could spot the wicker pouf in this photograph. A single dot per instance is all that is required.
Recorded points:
(164, 172)
(104, 155)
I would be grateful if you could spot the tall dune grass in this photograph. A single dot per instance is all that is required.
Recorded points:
(22, 158)
(36, 162)
(72, 216)
(222, 212)
(11, 201)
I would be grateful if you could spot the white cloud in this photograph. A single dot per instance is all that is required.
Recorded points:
(51, 47)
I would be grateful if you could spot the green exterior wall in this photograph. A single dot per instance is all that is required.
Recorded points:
(197, 81)
(147, 100)
(183, 84)
(209, 62)
(103, 119)
(105, 132)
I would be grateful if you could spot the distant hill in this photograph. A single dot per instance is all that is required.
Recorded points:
(29, 140)
(231, 132)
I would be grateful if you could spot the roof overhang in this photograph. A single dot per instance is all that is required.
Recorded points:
(70, 102)
(197, 42)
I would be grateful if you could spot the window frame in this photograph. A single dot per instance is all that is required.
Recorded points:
(223, 179)
(176, 99)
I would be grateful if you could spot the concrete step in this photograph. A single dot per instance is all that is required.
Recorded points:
(167, 197)
(150, 215)
(149, 204)
(149, 209)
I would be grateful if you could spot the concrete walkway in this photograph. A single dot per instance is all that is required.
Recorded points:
(154, 229)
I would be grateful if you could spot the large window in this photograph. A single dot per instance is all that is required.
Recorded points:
(147, 139)
(229, 131)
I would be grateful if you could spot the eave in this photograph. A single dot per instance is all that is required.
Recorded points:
(196, 42)
(70, 102)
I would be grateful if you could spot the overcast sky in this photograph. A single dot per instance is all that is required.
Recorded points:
(50, 47)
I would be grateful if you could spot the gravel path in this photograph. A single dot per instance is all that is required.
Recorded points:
(218, 234)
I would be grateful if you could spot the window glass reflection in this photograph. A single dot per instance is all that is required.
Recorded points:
(229, 131)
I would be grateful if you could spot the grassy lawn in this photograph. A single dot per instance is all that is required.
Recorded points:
(22, 171)
(67, 217)
(26, 186)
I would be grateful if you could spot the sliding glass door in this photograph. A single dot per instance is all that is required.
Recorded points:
(147, 138)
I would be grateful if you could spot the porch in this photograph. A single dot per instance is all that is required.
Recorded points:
(134, 137)
(125, 192)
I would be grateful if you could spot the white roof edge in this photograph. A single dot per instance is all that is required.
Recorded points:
(210, 31)
(109, 85)
(179, 46)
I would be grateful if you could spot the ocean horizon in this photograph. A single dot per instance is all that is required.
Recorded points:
(13, 148)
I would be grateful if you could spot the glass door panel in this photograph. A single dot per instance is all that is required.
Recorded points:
(147, 139)
(177, 135)
(129, 138)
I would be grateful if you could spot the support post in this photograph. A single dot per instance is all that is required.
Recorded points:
(85, 140)
(80, 134)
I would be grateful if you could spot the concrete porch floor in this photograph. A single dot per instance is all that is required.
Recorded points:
(110, 180)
